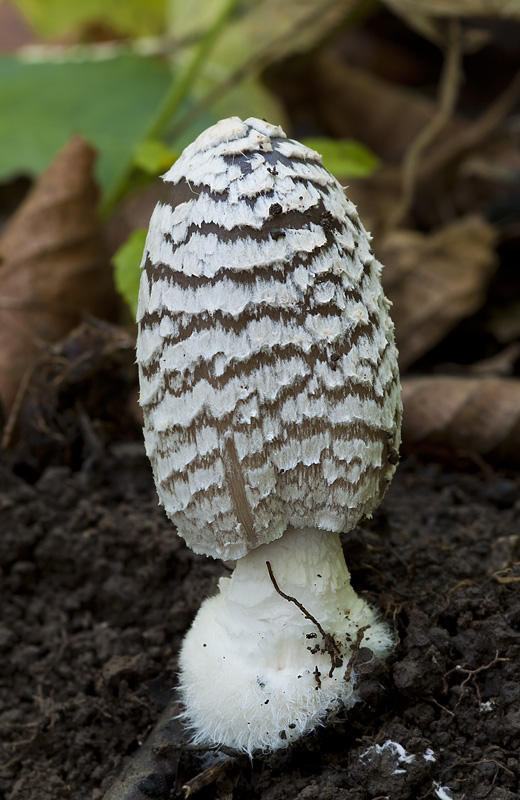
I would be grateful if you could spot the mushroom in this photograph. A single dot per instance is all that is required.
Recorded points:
(271, 400)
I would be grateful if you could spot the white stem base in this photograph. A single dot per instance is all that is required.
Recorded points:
(255, 671)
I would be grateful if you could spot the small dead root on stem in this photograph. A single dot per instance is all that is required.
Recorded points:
(331, 647)
(355, 652)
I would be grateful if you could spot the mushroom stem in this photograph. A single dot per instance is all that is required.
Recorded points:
(253, 685)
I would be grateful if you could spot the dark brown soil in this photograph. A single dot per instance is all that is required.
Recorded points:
(98, 590)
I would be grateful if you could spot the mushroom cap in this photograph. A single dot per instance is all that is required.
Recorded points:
(268, 369)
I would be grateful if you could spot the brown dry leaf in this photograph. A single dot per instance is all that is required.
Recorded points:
(384, 116)
(434, 280)
(82, 387)
(52, 265)
(471, 415)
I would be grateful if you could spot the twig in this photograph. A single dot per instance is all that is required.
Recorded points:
(207, 776)
(487, 761)
(447, 99)
(434, 701)
(475, 132)
(330, 645)
(153, 770)
(180, 88)
(16, 407)
(506, 576)
(470, 674)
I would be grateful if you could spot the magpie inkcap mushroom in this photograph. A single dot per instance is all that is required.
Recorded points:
(272, 412)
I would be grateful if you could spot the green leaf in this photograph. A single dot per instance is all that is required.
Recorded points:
(110, 102)
(127, 272)
(133, 17)
(344, 157)
(153, 157)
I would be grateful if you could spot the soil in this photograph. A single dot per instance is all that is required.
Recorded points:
(98, 591)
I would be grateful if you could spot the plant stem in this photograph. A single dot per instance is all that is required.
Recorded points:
(180, 87)
(175, 96)
(262, 58)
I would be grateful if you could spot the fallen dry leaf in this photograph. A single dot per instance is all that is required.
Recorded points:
(79, 389)
(52, 265)
(434, 280)
(470, 415)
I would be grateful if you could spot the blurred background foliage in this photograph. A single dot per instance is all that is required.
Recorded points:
(413, 106)
(61, 18)
(140, 79)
